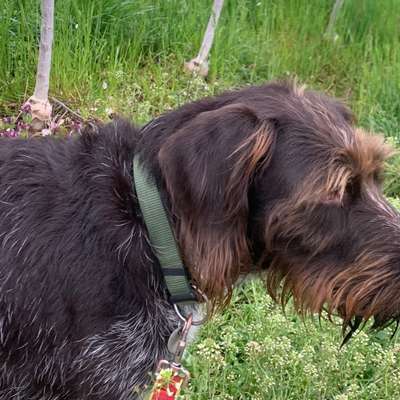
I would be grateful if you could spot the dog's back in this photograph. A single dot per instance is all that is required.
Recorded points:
(72, 279)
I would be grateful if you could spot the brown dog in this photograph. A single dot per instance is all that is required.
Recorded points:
(274, 178)
(280, 176)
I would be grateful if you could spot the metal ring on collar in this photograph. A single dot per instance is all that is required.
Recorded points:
(200, 321)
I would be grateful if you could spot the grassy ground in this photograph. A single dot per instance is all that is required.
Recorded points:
(254, 352)
(126, 57)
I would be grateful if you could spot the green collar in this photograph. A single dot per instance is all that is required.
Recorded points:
(161, 236)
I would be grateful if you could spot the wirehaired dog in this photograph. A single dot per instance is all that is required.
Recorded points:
(274, 178)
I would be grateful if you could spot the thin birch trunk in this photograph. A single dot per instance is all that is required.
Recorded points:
(200, 63)
(333, 17)
(39, 102)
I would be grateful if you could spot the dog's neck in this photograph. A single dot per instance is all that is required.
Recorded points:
(161, 236)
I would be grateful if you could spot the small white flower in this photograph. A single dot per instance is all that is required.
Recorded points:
(46, 132)
(253, 347)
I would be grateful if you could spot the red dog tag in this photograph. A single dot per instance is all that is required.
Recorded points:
(170, 378)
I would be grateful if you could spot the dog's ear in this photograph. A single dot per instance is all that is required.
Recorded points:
(208, 166)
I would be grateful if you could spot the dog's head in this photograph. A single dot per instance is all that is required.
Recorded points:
(279, 177)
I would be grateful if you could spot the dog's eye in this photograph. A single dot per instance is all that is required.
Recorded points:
(378, 177)
(353, 190)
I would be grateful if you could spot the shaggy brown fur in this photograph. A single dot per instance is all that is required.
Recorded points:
(272, 178)
(289, 183)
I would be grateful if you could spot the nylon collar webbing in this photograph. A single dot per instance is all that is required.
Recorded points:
(161, 236)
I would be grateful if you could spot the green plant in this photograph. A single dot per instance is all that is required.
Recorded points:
(116, 54)
(254, 351)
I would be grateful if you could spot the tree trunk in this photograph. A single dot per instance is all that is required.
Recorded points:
(40, 107)
(332, 19)
(199, 64)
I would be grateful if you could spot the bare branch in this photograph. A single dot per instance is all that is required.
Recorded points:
(67, 109)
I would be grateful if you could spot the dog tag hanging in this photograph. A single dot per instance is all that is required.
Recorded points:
(174, 339)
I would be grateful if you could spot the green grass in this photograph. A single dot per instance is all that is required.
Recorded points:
(126, 57)
(253, 351)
